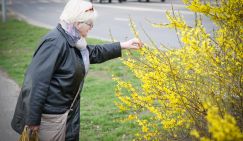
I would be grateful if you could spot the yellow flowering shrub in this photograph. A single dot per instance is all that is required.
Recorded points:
(195, 92)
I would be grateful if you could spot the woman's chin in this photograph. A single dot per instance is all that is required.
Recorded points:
(84, 36)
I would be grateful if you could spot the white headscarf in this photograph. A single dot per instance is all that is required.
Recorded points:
(78, 11)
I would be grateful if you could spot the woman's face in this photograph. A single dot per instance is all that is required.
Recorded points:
(84, 28)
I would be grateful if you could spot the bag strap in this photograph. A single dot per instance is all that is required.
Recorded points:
(76, 96)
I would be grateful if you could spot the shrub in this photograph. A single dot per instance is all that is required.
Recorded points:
(191, 93)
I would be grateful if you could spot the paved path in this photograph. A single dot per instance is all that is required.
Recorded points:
(9, 91)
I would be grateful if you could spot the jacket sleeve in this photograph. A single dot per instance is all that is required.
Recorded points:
(42, 67)
(102, 53)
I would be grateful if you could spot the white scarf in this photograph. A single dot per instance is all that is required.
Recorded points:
(80, 43)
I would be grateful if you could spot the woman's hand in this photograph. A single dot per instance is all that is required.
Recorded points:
(33, 128)
(132, 44)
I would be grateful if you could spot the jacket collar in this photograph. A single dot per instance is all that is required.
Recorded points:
(69, 39)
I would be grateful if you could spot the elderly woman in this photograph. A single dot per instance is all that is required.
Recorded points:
(56, 74)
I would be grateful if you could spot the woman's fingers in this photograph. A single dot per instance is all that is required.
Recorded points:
(34, 127)
(132, 44)
(136, 43)
(134, 47)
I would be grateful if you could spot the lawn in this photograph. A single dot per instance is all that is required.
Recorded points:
(99, 115)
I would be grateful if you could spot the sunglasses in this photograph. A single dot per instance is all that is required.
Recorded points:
(89, 24)
(89, 10)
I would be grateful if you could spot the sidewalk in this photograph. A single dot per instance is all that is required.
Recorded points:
(9, 91)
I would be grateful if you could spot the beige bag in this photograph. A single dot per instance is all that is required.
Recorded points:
(53, 126)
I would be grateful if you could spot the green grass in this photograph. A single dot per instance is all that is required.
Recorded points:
(17, 44)
(99, 115)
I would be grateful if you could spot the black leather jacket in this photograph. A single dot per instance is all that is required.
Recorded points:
(53, 78)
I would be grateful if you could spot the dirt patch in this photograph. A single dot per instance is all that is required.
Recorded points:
(3, 73)
(100, 74)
